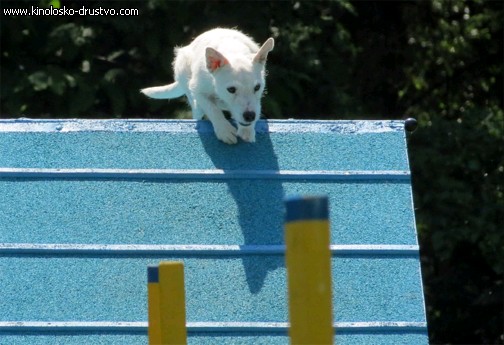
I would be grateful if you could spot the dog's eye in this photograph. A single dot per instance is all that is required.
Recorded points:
(257, 87)
(231, 89)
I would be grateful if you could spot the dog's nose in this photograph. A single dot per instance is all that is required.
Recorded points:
(249, 116)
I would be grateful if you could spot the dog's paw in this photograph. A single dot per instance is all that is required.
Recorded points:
(226, 133)
(247, 134)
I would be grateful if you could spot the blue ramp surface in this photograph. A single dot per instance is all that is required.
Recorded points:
(87, 205)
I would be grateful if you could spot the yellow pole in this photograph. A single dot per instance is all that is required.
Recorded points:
(154, 329)
(308, 260)
(167, 317)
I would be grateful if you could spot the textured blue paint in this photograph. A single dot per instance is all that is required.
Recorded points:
(120, 284)
(217, 213)
(73, 339)
(205, 193)
(213, 339)
(351, 149)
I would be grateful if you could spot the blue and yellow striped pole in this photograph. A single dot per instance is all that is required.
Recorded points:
(167, 317)
(308, 260)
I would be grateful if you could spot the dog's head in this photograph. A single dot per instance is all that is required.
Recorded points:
(239, 82)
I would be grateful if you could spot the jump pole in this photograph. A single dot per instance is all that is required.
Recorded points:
(166, 305)
(308, 261)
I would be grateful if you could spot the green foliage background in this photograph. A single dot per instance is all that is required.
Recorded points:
(439, 61)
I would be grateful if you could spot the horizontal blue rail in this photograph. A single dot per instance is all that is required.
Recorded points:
(201, 327)
(195, 249)
(200, 174)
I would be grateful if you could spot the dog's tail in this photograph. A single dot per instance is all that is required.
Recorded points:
(161, 92)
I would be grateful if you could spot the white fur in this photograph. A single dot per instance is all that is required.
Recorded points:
(209, 69)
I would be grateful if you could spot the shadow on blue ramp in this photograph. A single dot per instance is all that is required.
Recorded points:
(260, 205)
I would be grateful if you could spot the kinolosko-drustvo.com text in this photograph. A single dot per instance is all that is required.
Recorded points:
(65, 11)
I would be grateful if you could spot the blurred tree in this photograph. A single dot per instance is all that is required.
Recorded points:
(439, 61)
(454, 86)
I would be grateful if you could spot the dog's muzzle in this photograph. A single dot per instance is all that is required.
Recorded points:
(249, 116)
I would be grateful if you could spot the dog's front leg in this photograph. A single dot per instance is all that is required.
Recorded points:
(224, 130)
(247, 133)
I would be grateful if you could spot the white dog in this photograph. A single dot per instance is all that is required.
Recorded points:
(222, 69)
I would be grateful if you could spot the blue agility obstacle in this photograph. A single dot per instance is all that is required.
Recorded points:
(87, 205)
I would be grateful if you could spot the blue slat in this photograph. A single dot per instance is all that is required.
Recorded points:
(225, 212)
(226, 289)
(27, 125)
(203, 327)
(200, 175)
(281, 145)
(205, 333)
(54, 249)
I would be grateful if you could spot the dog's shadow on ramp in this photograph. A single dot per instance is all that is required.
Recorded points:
(259, 202)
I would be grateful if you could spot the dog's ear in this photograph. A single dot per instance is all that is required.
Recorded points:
(262, 54)
(214, 59)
